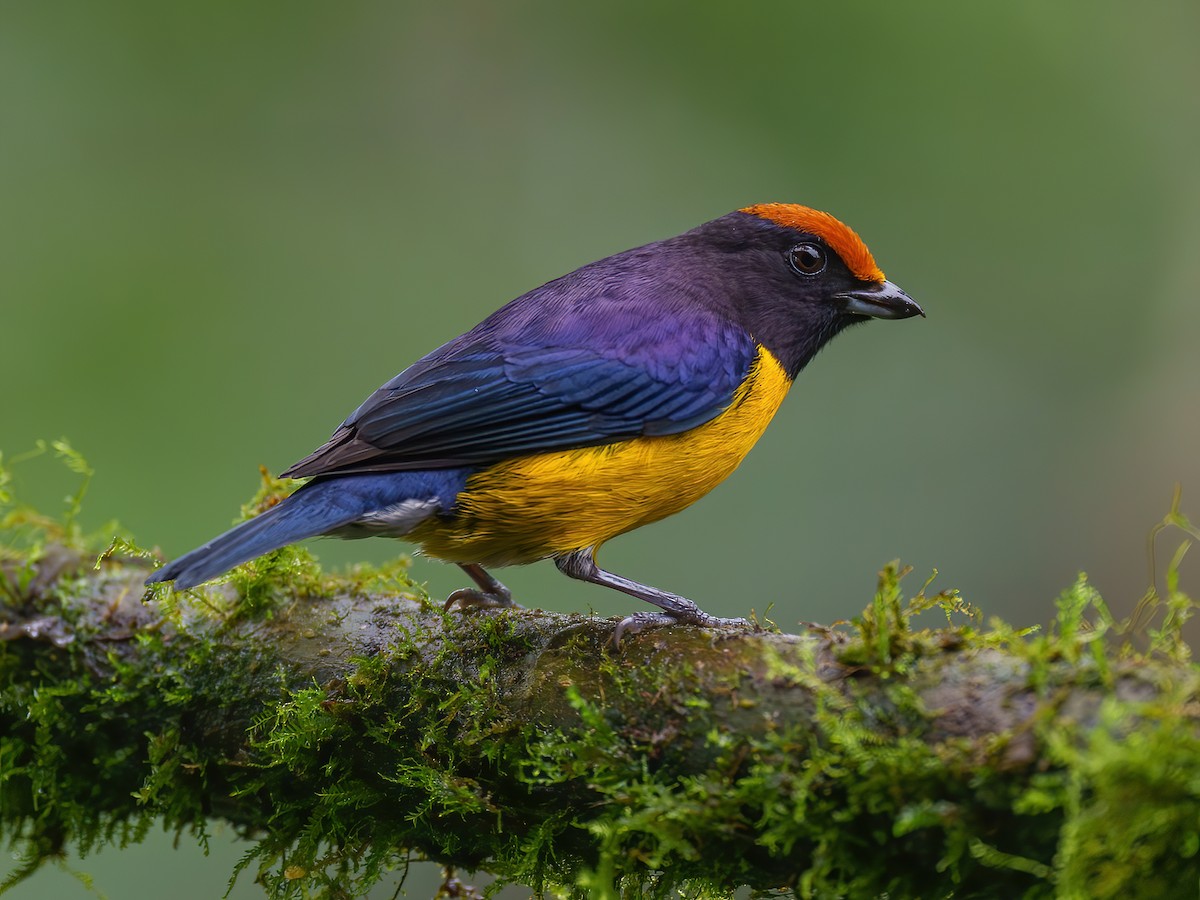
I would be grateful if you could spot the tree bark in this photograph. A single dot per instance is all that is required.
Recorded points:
(346, 725)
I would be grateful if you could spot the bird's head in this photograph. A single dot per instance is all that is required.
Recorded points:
(799, 276)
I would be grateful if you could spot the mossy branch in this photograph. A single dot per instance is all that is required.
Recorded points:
(346, 725)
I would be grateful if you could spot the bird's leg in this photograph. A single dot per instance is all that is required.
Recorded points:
(489, 595)
(581, 564)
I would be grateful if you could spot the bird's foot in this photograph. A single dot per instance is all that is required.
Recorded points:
(639, 622)
(471, 598)
(489, 593)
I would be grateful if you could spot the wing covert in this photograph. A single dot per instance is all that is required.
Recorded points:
(521, 384)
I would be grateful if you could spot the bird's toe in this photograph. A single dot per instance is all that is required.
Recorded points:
(470, 598)
(639, 622)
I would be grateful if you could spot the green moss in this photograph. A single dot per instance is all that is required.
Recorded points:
(477, 740)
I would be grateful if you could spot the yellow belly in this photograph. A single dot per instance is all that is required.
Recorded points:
(529, 508)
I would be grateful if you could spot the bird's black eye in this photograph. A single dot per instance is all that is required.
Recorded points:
(807, 259)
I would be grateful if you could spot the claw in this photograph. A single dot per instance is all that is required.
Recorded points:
(638, 622)
(490, 593)
(470, 598)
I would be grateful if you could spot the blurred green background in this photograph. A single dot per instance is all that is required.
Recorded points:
(221, 226)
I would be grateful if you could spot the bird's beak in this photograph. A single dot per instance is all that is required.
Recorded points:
(880, 300)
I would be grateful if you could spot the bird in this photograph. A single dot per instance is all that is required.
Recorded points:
(602, 401)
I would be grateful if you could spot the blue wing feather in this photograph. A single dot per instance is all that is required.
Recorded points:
(555, 369)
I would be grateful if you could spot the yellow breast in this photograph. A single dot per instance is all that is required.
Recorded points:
(529, 508)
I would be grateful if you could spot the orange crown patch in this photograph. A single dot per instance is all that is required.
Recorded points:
(840, 237)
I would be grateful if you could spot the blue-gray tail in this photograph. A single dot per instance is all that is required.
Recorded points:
(312, 510)
(359, 505)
